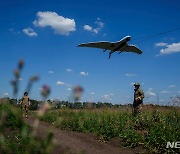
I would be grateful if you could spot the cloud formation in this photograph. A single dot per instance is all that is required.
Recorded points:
(60, 83)
(161, 44)
(100, 26)
(51, 72)
(59, 24)
(172, 86)
(170, 49)
(107, 97)
(89, 28)
(30, 32)
(5, 94)
(130, 75)
(69, 70)
(150, 93)
(164, 92)
(69, 89)
(20, 79)
(84, 73)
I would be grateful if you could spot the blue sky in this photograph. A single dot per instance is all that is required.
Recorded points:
(46, 33)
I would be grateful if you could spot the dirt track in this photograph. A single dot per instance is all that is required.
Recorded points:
(76, 142)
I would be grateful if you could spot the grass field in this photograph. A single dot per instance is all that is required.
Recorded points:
(16, 136)
(152, 129)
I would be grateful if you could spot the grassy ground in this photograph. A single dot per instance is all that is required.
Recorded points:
(16, 136)
(152, 129)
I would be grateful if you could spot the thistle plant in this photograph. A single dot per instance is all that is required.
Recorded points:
(17, 75)
(77, 93)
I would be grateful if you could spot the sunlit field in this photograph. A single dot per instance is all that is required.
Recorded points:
(152, 129)
(18, 137)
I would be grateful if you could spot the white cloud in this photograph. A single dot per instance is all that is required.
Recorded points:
(100, 26)
(39, 88)
(161, 100)
(5, 94)
(130, 75)
(20, 79)
(106, 97)
(132, 83)
(30, 32)
(170, 49)
(164, 92)
(99, 23)
(88, 28)
(13, 31)
(59, 24)
(69, 70)
(69, 89)
(60, 83)
(84, 73)
(150, 93)
(172, 86)
(51, 72)
(92, 93)
(161, 44)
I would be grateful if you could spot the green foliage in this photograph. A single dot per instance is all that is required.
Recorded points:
(152, 129)
(16, 136)
(12, 116)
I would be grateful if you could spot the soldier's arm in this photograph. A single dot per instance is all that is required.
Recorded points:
(29, 103)
(141, 95)
(21, 101)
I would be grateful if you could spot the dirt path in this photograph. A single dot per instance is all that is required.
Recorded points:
(76, 142)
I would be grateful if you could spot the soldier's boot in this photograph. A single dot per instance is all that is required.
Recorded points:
(26, 114)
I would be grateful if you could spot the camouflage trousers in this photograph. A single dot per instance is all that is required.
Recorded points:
(25, 110)
(137, 109)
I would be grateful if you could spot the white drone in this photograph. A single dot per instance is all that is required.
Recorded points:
(119, 46)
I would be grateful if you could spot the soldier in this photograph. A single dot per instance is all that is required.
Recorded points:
(138, 99)
(25, 102)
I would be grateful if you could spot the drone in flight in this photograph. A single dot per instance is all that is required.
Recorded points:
(119, 46)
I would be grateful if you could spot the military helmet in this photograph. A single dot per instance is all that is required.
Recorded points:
(137, 84)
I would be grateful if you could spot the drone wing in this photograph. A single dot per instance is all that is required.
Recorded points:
(133, 48)
(102, 45)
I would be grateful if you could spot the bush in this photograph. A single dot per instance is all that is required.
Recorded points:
(17, 137)
(152, 129)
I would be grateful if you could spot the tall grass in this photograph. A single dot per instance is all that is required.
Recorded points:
(152, 129)
(17, 137)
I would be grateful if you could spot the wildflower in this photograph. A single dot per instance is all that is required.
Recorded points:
(20, 64)
(45, 91)
(17, 73)
(78, 90)
(34, 78)
(30, 83)
(43, 109)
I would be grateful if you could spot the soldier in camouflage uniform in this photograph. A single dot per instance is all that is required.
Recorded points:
(138, 99)
(25, 102)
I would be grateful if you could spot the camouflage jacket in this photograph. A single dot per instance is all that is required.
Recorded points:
(138, 96)
(25, 100)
